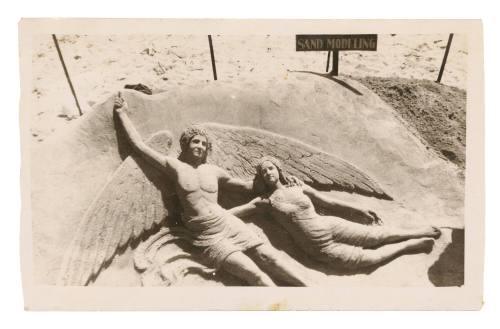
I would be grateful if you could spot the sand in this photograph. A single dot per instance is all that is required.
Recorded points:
(100, 65)
(433, 111)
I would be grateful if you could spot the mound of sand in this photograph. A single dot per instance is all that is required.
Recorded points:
(434, 111)
(357, 127)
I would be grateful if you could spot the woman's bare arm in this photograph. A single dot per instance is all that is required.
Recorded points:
(243, 210)
(250, 208)
(341, 208)
(160, 161)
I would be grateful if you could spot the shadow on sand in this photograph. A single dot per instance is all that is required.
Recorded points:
(448, 270)
(331, 77)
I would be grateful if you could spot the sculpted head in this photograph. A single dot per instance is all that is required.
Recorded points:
(269, 174)
(195, 144)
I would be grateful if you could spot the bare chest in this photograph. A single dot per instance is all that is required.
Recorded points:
(195, 179)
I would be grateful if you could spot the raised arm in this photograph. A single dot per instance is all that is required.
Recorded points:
(160, 161)
(341, 208)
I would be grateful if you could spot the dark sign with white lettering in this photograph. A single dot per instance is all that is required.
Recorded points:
(339, 42)
(333, 43)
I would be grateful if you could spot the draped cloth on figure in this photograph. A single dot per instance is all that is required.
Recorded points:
(220, 234)
(326, 238)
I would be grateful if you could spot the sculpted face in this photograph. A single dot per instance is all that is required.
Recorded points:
(198, 146)
(269, 173)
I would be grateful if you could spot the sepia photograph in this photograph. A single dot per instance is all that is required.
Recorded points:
(177, 156)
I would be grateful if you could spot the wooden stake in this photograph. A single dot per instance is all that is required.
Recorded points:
(335, 63)
(66, 73)
(328, 61)
(212, 55)
(445, 58)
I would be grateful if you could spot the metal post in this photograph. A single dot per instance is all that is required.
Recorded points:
(66, 73)
(445, 58)
(328, 61)
(212, 55)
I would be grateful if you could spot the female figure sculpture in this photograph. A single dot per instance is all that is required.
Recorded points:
(330, 239)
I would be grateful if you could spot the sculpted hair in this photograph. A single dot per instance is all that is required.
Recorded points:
(259, 186)
(186, 137)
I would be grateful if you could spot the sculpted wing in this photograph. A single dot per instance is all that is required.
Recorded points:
(135, 200)
(237, 149)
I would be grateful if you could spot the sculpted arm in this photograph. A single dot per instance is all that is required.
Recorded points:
(234, 184)
(340, 208)
(251, 208)
(160, 161)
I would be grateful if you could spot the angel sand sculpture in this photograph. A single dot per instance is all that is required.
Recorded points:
(330, 239)
(225, 240)
(104, 215)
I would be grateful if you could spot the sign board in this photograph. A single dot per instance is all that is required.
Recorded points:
(335, 43)
(327, 42)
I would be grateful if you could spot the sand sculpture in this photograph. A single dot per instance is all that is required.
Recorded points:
(425, 188)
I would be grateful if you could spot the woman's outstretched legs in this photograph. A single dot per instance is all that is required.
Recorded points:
(388, 252)
(356, 257)
(279, 264)
(369, 236)
(241, 266)
(395, 234)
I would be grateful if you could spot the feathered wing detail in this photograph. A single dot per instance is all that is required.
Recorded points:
(237, 149)
(135, 199)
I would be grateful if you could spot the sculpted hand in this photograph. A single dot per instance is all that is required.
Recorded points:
(119, 104)
(295, 180)
(372, 217)
(260, 202)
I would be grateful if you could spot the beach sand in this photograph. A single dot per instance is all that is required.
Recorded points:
(100, 65)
